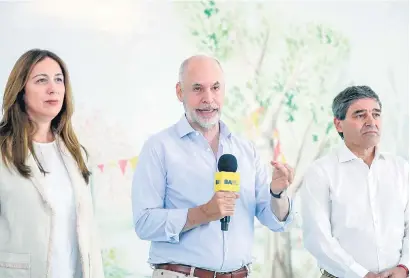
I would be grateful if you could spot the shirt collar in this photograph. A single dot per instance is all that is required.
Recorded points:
(345, 154)
(184, 128)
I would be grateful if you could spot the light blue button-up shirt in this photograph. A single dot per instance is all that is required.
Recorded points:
(175, 172)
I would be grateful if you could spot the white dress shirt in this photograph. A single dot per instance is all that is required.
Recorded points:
(355, 217)
(60, 194)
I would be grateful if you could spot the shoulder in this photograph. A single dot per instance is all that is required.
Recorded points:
(87, 157)
(61, 145)
(157, 140)
(7, 169)
(243, 144)
(322, 166)
(156, 145)
(394, 159)
(326, 161)
(3, 164)
(395, 165)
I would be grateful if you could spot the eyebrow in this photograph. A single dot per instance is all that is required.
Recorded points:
(197, 84)
(363, 110)
(45, 75)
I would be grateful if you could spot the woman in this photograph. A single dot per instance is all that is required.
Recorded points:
(46, 211)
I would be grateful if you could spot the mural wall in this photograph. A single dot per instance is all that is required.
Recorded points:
(284, 62)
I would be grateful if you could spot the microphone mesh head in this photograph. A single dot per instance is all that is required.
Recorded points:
(227, 163)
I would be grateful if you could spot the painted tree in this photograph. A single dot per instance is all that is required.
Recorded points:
(100, 135)
(290, 73)
(105, 138)
(399, 120)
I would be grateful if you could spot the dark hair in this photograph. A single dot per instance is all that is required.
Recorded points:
(344, 99)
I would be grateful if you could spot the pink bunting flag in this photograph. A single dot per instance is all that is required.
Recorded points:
(101, 166)
(123, 164)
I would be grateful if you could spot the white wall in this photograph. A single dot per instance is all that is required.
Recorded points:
(123, 57)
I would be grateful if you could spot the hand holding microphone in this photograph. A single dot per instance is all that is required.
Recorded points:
(222, 204)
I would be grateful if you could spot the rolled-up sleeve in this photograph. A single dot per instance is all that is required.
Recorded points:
(151, 220)
(264, 211)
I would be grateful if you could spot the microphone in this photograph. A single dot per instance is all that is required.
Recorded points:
(227, 180)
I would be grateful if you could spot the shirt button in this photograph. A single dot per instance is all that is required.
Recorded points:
(197, 133)
(208, 149)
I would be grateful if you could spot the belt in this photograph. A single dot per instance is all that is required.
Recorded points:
(203, 273)
(327, 274)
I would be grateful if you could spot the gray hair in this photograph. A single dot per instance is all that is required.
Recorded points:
(344, 99)
(184, 64)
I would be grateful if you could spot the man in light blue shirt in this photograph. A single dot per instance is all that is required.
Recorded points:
(173, 199)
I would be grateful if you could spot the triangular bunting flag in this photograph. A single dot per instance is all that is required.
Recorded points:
(123, 164)
(101, 166)
(282, 158)
(277, 152)
(256, 116)
(133, 161)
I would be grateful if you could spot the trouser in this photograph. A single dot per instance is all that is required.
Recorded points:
(160, 273)
(166, 273)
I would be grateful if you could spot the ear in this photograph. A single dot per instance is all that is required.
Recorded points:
(338, 124)
(178, 89)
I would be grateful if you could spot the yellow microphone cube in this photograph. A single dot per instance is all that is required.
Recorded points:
(227, 181)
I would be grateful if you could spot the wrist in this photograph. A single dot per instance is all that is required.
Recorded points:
(204, 213)
(276, 194)
(402, 266)
(196, 217)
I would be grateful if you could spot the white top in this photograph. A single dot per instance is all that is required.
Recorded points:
(355, 217)
(59, 192)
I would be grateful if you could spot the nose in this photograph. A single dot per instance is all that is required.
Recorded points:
(370, 121)
(207, 96)
(52, 88)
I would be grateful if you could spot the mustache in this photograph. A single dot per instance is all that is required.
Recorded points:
(208, 107)
(370, 129)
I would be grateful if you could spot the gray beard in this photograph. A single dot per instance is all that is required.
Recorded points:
(193, 117)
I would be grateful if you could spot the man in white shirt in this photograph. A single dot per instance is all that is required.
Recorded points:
(355, 200)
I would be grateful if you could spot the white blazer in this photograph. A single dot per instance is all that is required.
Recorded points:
(27, 219)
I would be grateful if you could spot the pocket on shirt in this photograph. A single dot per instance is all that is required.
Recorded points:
(14, 265)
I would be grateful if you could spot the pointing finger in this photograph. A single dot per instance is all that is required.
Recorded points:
(291, 172)
(280, 167)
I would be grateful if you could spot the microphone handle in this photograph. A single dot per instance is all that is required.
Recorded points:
(225, 223)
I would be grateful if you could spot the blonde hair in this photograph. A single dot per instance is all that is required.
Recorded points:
(16, 130)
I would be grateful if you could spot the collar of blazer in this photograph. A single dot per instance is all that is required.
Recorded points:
(73, 171)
